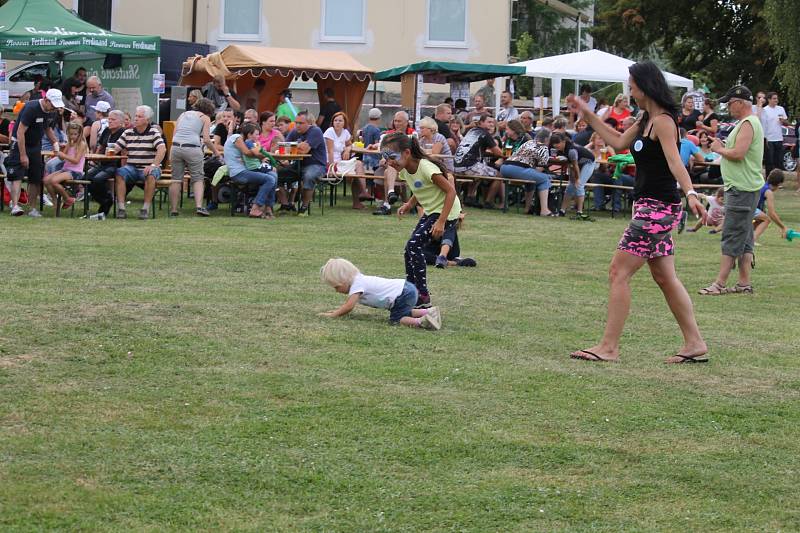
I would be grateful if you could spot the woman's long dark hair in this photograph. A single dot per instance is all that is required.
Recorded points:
(557, 137)
(400, 141)
(650, 80)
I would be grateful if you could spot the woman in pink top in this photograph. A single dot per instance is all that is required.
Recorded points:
(74, 158)
(270, 135)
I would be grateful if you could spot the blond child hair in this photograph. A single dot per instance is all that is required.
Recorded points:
(80, 145)
(338, 271)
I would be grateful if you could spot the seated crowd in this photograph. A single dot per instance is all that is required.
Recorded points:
(219, 137)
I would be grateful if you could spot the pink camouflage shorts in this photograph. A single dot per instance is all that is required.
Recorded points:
(649, 234)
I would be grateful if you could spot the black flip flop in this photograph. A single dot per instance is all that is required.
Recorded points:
(594, 355)
(687, 359)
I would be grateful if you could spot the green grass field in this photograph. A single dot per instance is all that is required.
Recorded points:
(174, 375)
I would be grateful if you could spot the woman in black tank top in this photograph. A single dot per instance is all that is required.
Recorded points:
(653, 142)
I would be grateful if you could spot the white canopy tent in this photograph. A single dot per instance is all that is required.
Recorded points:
(590, 65)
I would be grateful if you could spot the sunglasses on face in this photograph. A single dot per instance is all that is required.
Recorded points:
(390, 154)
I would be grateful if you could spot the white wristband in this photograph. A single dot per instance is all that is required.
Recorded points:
(691, 192)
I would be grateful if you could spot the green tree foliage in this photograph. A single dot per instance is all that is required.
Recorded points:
(716, 42)
(540, 31)
(552, 33)
(783, 21)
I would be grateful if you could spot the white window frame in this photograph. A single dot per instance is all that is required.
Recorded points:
(445, 44)
(340, 38)
(254, 37)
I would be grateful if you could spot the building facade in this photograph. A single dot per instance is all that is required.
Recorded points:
(379, 33)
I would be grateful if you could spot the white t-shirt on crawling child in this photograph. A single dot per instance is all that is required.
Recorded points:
(377, 292)
(339, 142)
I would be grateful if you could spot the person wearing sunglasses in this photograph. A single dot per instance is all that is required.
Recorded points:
(740, 164)
(427, 180)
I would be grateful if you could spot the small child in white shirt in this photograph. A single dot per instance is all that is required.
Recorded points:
(396, 295)
(716, 212)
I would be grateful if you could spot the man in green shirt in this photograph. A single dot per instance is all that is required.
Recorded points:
(741, 174)
(285, 107)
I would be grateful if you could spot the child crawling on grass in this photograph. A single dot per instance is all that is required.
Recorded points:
(397, 295)
(716, 212)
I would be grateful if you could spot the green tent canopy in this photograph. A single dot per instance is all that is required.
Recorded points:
(31, 29)
(444, 72)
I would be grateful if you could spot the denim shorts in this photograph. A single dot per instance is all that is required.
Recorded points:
(404, 303)
(133, 175)
(76, 175)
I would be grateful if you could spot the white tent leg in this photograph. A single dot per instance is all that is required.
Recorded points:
(556, 103)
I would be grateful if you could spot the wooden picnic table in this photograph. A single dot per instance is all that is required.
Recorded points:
(289, 157)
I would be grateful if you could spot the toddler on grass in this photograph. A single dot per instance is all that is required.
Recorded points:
(396, 295)
(716, 212)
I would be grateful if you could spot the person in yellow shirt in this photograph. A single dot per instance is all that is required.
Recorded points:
(427, 179)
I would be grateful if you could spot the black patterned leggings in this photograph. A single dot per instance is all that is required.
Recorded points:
(416, 269)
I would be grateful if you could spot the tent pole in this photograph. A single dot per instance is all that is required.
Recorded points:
(497, 94)
(374, 93)
(158, 104)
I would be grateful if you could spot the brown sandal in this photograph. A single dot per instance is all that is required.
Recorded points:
(715, 289)
(740, 289)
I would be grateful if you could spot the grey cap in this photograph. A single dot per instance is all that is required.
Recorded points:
(375, 113)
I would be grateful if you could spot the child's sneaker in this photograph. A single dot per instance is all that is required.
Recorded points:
(441, 262)
(466, 262)
(383, 210)
(17, 211)
(34, 213)
(46, 200)
(69, 202)
(430, 321)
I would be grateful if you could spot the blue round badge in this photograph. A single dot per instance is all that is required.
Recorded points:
(637, 146)
(417, 184)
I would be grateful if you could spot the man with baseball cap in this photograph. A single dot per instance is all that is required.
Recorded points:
(741, 175)
(25, 155)
(101, 110)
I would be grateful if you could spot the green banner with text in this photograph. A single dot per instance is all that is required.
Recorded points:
(131, 84)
